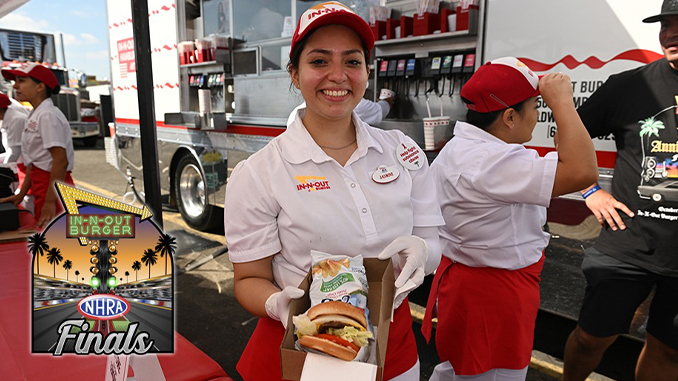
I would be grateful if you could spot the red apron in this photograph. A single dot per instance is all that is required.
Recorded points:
(39, 186)
(486, 316)
(401, 353)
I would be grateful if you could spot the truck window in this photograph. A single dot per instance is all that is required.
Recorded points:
(257, 20)
(217, 19)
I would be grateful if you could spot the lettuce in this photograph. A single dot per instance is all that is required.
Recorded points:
(352, 334)
(305, 327)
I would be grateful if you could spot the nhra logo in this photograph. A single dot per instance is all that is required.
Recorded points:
(102, 257)
(309, 185)
(103, 307)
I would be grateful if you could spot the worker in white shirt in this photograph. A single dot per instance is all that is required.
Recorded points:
(493, 193)
(12, 121)
(46, 142)
(330, 183)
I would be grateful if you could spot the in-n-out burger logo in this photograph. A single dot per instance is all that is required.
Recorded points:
(32, 125)
(319, 10)
(312, 183)
(102, 307)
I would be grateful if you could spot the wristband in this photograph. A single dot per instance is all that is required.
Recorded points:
(591, 191)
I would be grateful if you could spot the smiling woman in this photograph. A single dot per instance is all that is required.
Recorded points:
(320, 186)
(329, 67)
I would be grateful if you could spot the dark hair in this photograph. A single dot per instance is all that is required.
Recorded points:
(483, 120)
(295, 54)
(48, 91)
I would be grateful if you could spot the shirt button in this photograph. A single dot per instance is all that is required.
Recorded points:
(352, 185)
(364, 210)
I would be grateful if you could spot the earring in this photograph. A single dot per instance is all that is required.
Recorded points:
(296, 85)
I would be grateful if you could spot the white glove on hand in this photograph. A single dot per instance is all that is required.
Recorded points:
(278, 304)
(412, 254)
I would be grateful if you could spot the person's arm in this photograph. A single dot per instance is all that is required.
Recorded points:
(577, 165)
(595, 113)
(432, 238)
(25, 186)
(604, 206)
(58, 173)
(369, 112)
(253, 284)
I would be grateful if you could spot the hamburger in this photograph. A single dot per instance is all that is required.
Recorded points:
(335, 328)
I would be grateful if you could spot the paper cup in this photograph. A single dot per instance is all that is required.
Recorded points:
(386, 93)
(452, 22)
(430, 127)
(429, 133)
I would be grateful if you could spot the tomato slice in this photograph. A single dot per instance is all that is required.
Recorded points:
(338, 340)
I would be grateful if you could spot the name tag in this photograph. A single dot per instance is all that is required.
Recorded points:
(384, 174)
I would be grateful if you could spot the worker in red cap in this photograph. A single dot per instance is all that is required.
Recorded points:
(12, 121)
(330, 183)
(46, 143)
(493, 193)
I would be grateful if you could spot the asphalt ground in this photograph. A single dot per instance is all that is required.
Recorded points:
(206, 311)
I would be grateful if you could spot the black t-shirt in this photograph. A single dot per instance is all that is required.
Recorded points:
(639, 108)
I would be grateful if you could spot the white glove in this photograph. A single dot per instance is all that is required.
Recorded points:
(278, 304)
(412, 254)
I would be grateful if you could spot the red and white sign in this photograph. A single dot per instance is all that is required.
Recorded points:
(126, 57)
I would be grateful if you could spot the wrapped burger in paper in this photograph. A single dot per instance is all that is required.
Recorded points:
(338, 321)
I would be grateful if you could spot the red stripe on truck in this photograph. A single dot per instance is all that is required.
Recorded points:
(606, 159)
(230, 129)
(639, 55)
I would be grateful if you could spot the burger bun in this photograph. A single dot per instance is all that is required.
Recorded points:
(338, 308)
(328, 347)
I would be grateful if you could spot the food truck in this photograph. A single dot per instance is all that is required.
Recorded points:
(18, 47)
(222, 92)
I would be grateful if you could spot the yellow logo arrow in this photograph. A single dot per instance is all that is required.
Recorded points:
(70, 195)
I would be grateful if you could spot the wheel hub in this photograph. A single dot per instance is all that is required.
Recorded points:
(192, 191)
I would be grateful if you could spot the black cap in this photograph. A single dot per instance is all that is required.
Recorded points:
(669, 8)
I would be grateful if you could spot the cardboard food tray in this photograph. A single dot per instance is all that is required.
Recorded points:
(381, 281)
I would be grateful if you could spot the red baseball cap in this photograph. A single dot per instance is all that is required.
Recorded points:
(4, 101)
(329, 13)
(500, 84)
(34, 70)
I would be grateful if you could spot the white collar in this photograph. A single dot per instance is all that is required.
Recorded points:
(297, 145)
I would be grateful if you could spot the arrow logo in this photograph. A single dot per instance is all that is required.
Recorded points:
(70, 195)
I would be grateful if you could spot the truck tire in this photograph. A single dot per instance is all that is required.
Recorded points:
(189, 188)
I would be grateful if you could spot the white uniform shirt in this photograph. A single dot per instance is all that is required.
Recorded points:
(493, 196)
(11, 126)
(46, 127)
(369, 112)
(291, 198)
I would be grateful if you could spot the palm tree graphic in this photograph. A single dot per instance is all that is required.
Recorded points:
(37, 245)
(649, 127)
(54, 257)
(67, 266)
(166, 247)
(149, 259)
(127, 276)
(136, 266)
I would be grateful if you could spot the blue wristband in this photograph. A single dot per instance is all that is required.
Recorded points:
(591, 191)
